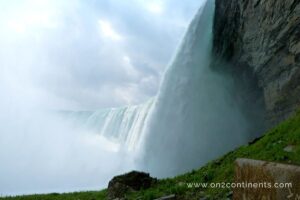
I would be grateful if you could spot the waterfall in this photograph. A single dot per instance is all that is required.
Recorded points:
(122, 125)
(195, 118)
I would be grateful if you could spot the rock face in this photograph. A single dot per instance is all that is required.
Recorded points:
(132, 181)
(263, 36)
(266, 180)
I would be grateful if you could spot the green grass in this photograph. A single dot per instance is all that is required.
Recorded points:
(92, 195)
(270, 147)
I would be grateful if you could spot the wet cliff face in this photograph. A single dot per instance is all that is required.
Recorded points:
(262, 37)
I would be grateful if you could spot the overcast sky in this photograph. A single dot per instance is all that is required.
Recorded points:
(76, 55)
(88, 54)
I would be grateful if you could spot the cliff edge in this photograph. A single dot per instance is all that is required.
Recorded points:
(263, 36)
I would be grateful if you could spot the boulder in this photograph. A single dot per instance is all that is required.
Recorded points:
(129, 182)
(289, 148)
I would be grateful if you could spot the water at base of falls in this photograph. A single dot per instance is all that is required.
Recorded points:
(122, 125)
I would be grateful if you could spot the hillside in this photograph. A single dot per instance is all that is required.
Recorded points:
(270, 147)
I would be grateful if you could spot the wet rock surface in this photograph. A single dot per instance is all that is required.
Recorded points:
(263, 36)
(129, 182)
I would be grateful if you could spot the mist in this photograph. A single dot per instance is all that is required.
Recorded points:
(45, 155)
(103, 65)
(76, 55)
(199, 113)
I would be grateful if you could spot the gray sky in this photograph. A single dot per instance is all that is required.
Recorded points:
(88, 54)
(76, 55)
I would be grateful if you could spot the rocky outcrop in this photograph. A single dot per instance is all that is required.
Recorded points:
(130, 182)
(263, 36)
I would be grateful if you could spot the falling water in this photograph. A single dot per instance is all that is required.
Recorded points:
(122, 125)
(195, 118)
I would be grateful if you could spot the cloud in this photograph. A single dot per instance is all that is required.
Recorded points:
(76, 55)
(108, 31)
(155, 7)
(69, 49)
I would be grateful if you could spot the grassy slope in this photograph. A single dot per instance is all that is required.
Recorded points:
(270, 148)
(67, 196)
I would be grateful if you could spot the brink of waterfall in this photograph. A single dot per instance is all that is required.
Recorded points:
(193, 119)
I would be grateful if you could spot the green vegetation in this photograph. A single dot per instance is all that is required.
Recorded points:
(270, 147)
(56, 196)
